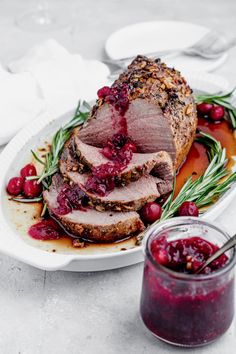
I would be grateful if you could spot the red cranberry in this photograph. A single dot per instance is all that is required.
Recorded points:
(103, 92)
(217, 112)
(204, 108)
(28, 170)
(32, 189)
(15, 185)
(151, 212)
(161, 257)
(131, 146)
(188, 209)
(108, 152)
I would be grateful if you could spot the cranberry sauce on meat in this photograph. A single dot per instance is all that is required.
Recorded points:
(119, 150)
(70, 198)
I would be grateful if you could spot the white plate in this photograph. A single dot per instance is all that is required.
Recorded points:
(148, 37)
(17, 153)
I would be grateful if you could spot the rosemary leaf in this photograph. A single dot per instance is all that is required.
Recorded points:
(58, 141)
(37, 158)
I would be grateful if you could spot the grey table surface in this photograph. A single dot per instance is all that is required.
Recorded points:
(61, 312)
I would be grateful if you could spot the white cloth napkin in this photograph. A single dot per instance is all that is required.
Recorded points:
(63, 78)
(47, 78)
(20, 101)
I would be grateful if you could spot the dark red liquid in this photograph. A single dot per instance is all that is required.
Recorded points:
(186, 312)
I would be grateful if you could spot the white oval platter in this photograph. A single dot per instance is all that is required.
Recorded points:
(17, 153)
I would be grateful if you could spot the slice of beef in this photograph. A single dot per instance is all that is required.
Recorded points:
(141, 164)
(160, 115)
(130, 197)
(91, 224)
(77, 156)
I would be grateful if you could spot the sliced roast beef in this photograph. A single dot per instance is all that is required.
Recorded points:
(141, 164)
(77, 156)
(91, 224)
(130, 197)
(152, 104)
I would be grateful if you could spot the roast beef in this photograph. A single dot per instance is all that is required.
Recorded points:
(107, 226)
(126, 197)
(160, 115)
(130, 197)
(78, 156)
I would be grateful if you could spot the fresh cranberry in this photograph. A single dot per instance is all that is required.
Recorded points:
(131, 146)
(32, 189)
(204, 108)
(151, 212)
(15, 185)
(45, 230)
(103, 92)
(217, 113)
(28, 170)
(188, 209)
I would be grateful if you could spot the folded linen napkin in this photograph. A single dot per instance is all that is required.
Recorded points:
(63, 78)
(48, 78)
(20, 102)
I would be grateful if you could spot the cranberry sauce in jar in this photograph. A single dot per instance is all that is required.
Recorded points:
(178, 306)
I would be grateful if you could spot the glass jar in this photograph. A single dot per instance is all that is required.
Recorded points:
(187, 309)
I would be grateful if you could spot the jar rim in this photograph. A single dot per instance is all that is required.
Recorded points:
(186, 220)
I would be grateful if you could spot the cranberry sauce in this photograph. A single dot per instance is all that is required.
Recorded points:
(70, 198)
(186, 255)
(120, 151)
(188, 311)
(120, 148)
(117, 96)
(46, 230)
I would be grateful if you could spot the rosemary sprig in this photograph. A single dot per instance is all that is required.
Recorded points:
(62, 135)
(205, 189)
(222, 99)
